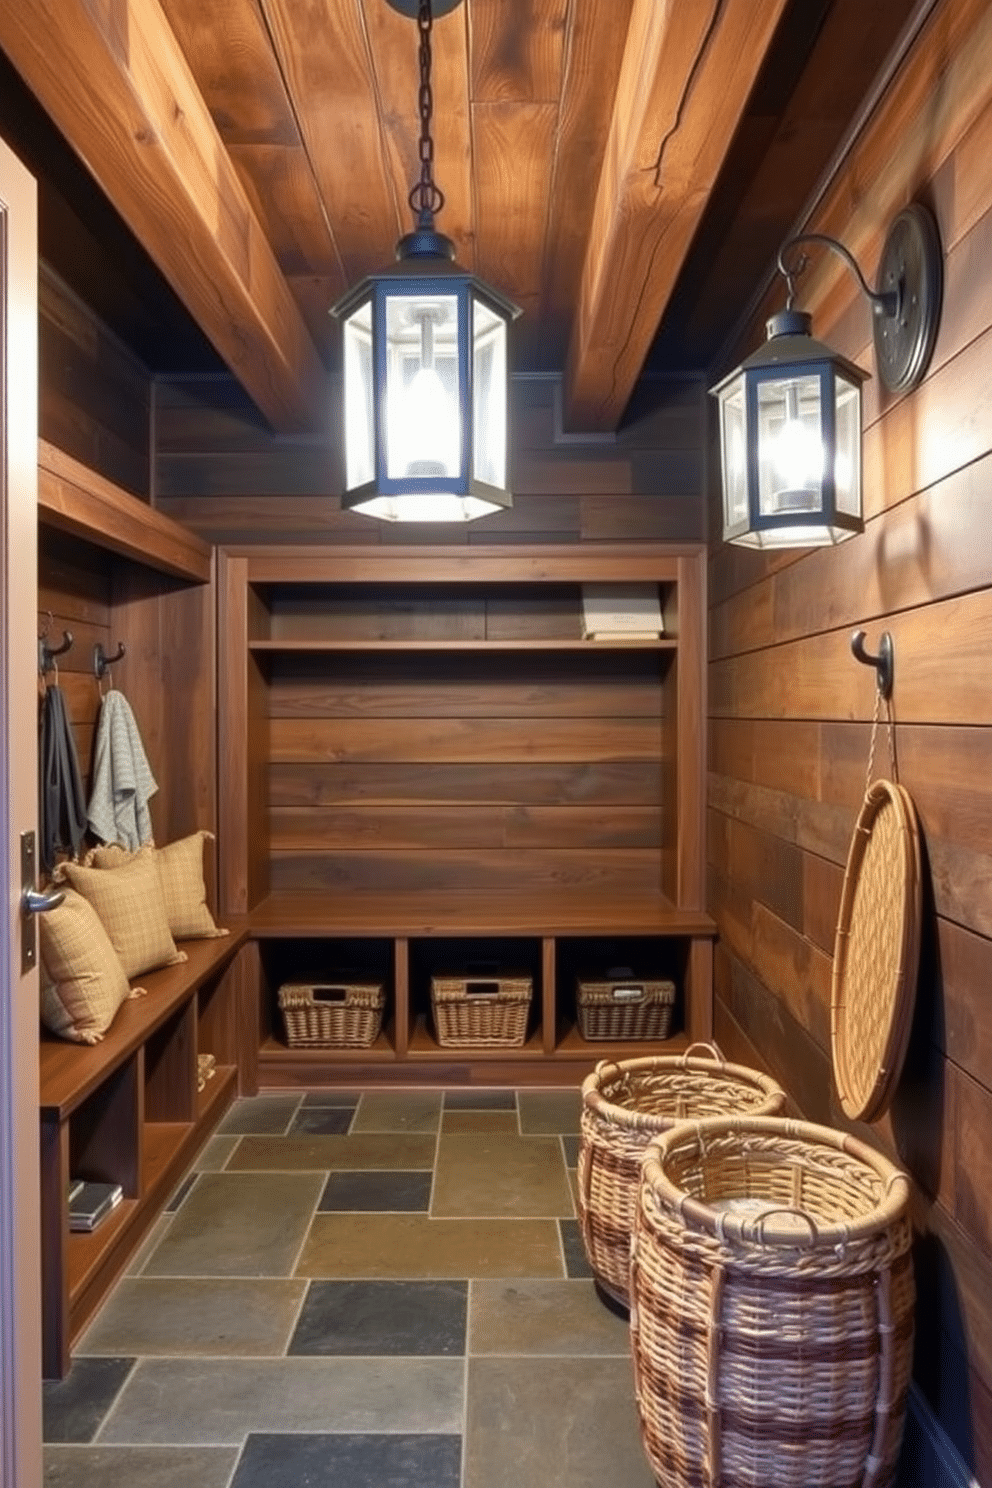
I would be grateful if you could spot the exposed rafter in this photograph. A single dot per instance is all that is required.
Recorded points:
(117, 84)
(687, 73)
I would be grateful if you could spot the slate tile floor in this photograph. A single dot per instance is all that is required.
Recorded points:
(352, 1289)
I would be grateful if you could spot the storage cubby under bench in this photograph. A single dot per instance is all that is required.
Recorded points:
(127, 1110)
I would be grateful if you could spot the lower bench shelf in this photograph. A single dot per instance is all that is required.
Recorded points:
(128, 1111)
(400, 941)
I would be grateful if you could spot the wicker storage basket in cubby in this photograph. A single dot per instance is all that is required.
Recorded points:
(479, 1011)
(331, 1015)
(771, 1306)
(625, 1007)
(624, 1106)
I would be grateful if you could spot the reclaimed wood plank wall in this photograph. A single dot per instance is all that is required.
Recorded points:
(95, 401)
(790, 712)
(222, 472)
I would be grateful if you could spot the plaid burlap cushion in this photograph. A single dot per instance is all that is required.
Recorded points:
(85, 983)
(180, 871)
(131, 908)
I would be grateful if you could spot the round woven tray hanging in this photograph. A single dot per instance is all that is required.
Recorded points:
(876, 952)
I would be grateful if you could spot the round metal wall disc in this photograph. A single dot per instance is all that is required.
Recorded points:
(411, 8)
(912, 265)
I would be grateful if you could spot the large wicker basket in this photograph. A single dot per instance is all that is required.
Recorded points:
(331, 1016)
(771, 1306)
(481, 1011)
(624, 1106)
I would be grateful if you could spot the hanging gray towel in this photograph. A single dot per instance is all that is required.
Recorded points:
(122, 778)
(62, 806)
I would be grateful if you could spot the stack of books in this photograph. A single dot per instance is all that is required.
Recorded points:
(89, 1203)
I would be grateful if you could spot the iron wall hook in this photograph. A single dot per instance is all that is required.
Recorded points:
(884, 662)
(102, 662)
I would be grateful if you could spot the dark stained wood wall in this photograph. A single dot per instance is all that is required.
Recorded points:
(95, 402)
(95, 396)
(221, 471)
(790, 710)
(513, 770)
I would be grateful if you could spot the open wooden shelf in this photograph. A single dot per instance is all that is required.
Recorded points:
(98, 1104)
(316, 647)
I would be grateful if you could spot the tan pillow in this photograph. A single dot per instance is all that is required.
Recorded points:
(180, 870)
(130, 905)
(86, 982)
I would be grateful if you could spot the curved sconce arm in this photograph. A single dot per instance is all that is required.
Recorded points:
(906, 302)
(884, 302)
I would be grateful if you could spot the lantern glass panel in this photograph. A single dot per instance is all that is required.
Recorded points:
(847, 461)
(359, 420)
(423, 416)
(488, 395)
(733, 444)
(790, 445)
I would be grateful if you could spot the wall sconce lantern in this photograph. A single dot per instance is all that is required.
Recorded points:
(790, 415)
(425, 364)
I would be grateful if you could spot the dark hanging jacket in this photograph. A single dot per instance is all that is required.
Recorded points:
(63, 807)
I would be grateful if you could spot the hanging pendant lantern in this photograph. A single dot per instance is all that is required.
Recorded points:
(425, 366)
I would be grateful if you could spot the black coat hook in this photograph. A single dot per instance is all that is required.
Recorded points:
(884, 662)
(102, 662)
(47, 653)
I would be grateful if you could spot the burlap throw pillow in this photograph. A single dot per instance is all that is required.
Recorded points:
(131, 908)
(85, 980)
(180, 871)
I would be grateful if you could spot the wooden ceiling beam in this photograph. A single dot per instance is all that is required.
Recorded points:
(114, 80)
(687, 72)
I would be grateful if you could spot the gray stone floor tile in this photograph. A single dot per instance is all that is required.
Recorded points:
(417, 1111)
(139, 1467)
(549, 1111)
(574, 1251)
(239, 1224)
(192, 1316)
(360, 1150)
(377, 1193)
(74, 1408)
(220, 1401)
(543, 1317)
(480, 1121)
(149, 1245)
(373, 1318)
(325, 1121)
(480, 1100)
(570, 1147)
(348, 1098)
(573, 1425)
(349, 1461)
(266, 1114)
(176, 1200)
(214, 1154)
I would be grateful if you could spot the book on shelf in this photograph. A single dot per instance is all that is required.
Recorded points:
(621, 612)
(90, 1203)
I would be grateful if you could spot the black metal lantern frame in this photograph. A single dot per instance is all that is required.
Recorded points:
(790, 415)
(425, 365)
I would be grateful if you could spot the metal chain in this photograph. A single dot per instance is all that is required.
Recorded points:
(425, 198)
(874, 735)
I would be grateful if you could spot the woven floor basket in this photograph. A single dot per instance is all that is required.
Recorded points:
(771, 1350)
(481, 1012)
(345, 1015)
(626, 1105)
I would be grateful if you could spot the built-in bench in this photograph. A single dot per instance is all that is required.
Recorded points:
(128, 1110)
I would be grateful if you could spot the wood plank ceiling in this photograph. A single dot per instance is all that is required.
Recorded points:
(603, 161)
